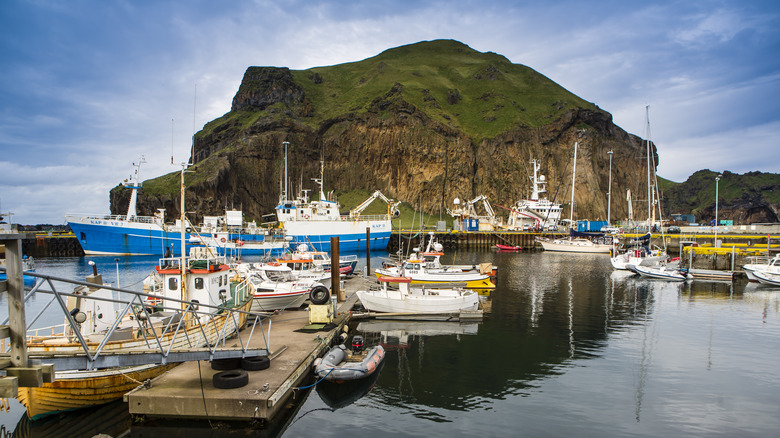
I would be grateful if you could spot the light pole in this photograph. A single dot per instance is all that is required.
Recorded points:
(717, 178)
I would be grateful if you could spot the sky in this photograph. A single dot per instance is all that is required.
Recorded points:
(87, 87)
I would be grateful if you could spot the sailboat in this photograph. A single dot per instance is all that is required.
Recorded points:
(639, 251)
(576, 242)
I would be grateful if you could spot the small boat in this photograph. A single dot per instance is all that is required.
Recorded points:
(661, 272)
(637, 254)
(762, 264)
(501, 247)
(575, 244)
(275, 287)
(28, 265)
(768, 278)
(341, 364)
(417, 298)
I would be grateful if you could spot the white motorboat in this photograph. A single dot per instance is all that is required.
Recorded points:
(762, 264)
(275, 287)
(768, 278)
(661, 272)
(410, 298)
(638, 254)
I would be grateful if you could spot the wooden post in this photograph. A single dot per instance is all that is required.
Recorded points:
(335, 272)
(16, 317)
(368, 251)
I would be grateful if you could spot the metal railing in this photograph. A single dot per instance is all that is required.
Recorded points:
(170, 330)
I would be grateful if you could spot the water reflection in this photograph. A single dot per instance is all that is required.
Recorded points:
(570, 347)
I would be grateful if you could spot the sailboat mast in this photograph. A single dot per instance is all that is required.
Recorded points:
(286, 197)
(573, 174)
(647, 140)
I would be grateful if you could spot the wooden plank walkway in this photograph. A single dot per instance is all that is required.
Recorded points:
(187, 390)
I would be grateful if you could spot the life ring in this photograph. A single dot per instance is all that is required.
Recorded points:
(305, 216)
(188, 229)
(222, 240)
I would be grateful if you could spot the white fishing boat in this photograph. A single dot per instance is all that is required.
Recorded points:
(275, 287)
(408, 298)
(321, 259)
(172, 316)
(537, 212)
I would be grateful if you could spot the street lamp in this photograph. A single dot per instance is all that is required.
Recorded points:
(717, 178)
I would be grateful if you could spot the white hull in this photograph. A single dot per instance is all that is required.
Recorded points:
(621, 261)
(659, 272)
(268, 301)
(768, 278)
(575, 245)
(394, 301)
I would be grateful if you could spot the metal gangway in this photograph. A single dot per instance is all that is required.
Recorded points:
(170, 331)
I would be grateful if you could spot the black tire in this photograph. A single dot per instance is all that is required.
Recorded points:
(230, 363)
(255, 363)
(230, 379)
(319, 295)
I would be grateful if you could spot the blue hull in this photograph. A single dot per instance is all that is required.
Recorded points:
(106, 239)
(347, 242)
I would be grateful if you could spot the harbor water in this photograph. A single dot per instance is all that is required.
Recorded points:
(570, 348)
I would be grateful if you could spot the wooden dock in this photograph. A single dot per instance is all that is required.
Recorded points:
(187, 390)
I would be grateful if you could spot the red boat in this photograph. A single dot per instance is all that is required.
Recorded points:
(508, 247)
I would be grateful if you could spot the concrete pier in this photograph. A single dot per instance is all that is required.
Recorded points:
(187, 390)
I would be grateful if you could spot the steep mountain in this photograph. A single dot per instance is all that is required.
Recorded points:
(423, 123)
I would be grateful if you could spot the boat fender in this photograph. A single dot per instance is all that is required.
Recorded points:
(342, 338)
(255, 363)
(319, 295)
(230, 379)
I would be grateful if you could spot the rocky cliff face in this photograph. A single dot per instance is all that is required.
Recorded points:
(407, 141)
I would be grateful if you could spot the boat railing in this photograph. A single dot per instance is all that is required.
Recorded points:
(119, 217)
(139, 328)
(364, 217)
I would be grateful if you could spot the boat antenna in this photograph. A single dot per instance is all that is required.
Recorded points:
(172, 141)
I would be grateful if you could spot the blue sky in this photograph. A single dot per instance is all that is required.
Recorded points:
(87, 87)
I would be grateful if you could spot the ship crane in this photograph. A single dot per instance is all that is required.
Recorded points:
(392, 206)
(468, 210)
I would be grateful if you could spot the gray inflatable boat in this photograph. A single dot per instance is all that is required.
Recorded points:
(340, 364)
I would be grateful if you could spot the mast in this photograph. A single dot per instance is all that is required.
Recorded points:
(134, 184)
(573, 174)
(286, 143)
(609, 192)
(649, 195)
(183, 259)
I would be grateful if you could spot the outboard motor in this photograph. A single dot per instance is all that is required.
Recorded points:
(357, 344)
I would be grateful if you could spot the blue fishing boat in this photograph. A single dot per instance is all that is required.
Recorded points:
(315, 222)
(132, 234)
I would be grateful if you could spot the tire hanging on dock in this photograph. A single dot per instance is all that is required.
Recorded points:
(319, 295)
